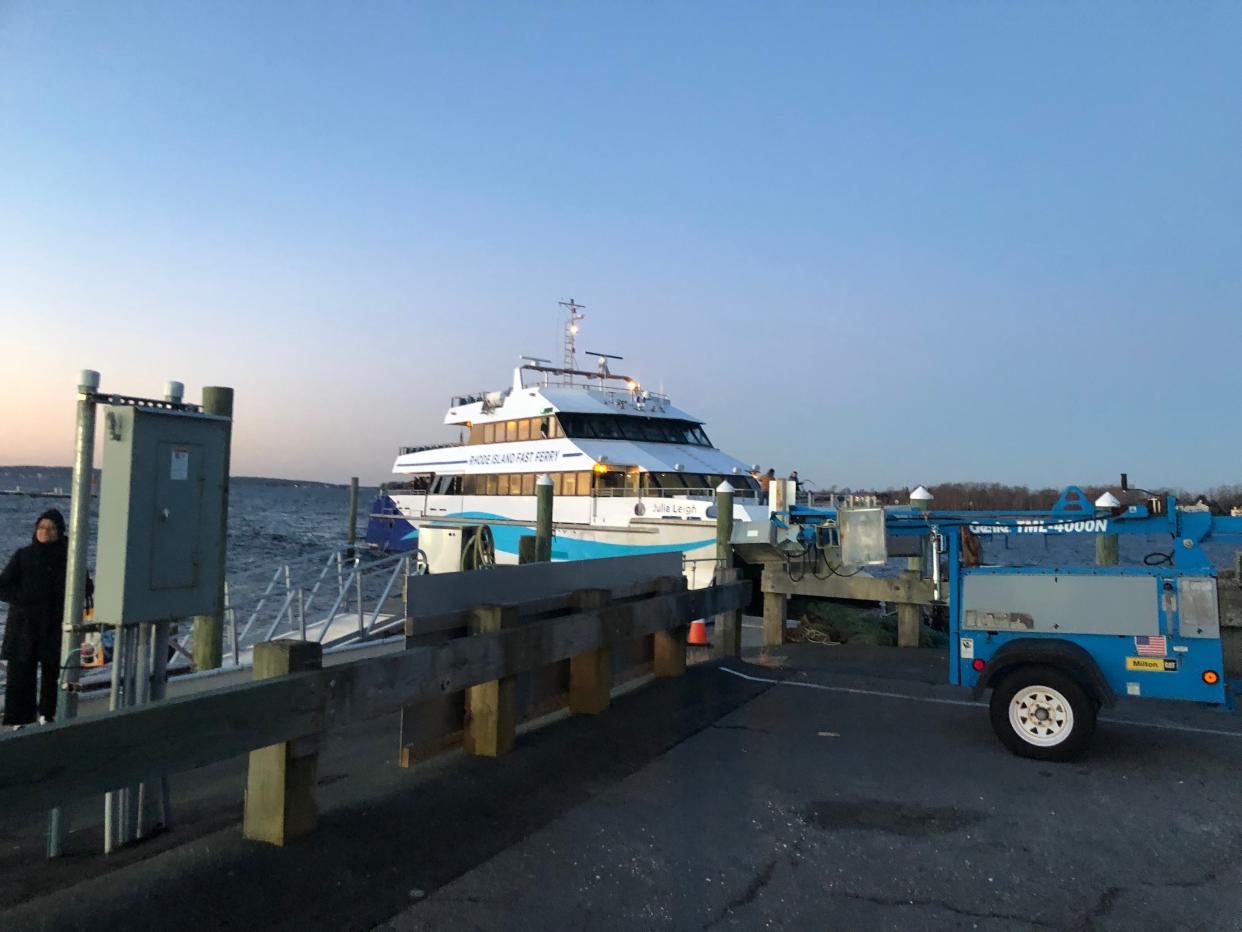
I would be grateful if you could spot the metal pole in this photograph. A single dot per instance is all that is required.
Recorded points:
(351, 533)
(209, 629)
(302, 611)
(358, 576)
(75, 577)
(159, 689)
(228, 607)
(112, 799)
(543, 519)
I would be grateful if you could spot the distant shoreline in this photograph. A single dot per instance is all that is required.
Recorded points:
(265, 480)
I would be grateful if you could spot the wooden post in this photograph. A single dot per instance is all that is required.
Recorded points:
(728, 642)
(1106, 545)
(729, 625)
(280, 786)
(910, 617)
(208, 641)
(491, 708)
(543, 519)
(528, 549)
(669, 648)
(775, 611)
(351, 532)
(590, 674)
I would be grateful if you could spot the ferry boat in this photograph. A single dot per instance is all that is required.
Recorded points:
(631, 474)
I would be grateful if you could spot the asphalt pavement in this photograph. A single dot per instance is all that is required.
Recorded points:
(811, 788)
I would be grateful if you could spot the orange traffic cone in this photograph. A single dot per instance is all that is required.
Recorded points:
(698, 633)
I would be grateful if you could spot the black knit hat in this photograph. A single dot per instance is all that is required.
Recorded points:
(55, 517)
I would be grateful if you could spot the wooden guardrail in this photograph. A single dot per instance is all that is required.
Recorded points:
(54, 764)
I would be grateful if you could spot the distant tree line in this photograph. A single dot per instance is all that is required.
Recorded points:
(993, 496)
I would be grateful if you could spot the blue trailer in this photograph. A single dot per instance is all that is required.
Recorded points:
(1055, 643)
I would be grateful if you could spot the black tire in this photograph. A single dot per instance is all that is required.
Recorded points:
(1068, 710)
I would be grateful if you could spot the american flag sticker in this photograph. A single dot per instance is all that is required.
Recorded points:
(1151, 645)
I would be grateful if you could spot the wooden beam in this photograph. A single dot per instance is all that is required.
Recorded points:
(281, 805)
(908, 589)
(590, 673)
(42, 767)
(491, 708)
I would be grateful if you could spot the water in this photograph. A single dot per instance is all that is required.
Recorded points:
(271, 521)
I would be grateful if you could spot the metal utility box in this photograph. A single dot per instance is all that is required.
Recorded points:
(442, 546)
(160, 514)
(862, 536)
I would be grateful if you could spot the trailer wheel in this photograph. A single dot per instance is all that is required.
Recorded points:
(1043, 713)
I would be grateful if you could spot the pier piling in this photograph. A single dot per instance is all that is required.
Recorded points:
(209, 629)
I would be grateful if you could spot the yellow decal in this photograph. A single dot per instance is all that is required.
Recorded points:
(1151, 664)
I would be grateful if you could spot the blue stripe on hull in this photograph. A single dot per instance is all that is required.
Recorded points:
(571, 548)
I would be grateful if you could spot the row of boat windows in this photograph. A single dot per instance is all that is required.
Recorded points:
(590, 427)
(573, 483)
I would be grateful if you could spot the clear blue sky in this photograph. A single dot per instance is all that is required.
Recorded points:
(881, 243)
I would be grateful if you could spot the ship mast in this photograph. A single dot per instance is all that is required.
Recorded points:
(571, 331)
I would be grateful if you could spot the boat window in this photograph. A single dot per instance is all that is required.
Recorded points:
(510, 431)
(556, 484)
(613, 479)
(545, 428)
(569, 483)
(606, 427)
(523, 429)
(528, 484)
(446, 485)
(631, 429)
(489, 485)
(488, 432)
(502, 484)
(652, 431)
(615, 427)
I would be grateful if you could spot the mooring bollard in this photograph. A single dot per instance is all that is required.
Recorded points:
(281, 803)
(590, 674)
(491, 708)
(208, 641)
(909, 617)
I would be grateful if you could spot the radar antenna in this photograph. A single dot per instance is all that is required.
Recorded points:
(601, 362)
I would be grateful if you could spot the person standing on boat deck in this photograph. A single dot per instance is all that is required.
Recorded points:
(33, 583)
(765, 481)
(793, 477)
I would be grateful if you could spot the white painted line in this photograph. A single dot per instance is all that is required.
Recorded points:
(851, 690)
(1170, 727)
(1221, 733)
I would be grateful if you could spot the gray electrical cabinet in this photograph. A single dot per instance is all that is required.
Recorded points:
(160, 514)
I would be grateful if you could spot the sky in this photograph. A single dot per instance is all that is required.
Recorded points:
(883, 244)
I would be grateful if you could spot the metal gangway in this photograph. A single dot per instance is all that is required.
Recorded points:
(339, 597)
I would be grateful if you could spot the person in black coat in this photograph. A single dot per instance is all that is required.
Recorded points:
(33, 583)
